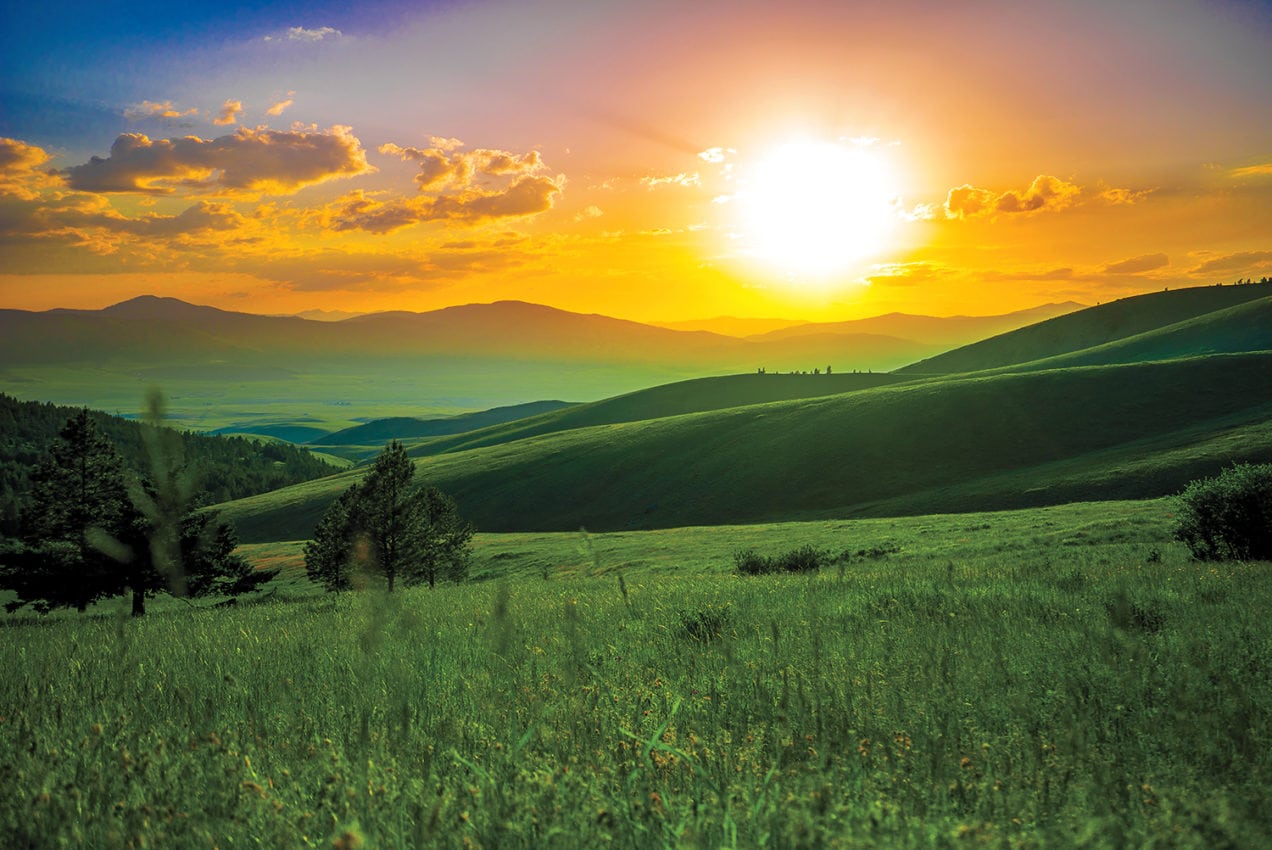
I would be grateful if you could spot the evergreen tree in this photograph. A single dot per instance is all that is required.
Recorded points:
(79, 515)
(85, 538)
(387, 526)
(329, 557)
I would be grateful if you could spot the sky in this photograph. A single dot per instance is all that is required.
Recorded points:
(657, 161)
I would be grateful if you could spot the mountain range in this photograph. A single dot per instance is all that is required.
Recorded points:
(457, 359)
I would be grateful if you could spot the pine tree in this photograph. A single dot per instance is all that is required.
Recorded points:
(85, 538)
(329, 557)
(76, 527)
(388, 526)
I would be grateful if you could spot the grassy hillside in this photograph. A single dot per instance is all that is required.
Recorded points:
(1243, 327)
(1094, 326)
(694, 396)
(874, 451)
(380, 431)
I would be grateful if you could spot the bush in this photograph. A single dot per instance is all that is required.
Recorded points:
(751, 563)
(805, 559)
(1228, 517)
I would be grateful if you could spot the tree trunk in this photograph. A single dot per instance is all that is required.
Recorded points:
(139, 602)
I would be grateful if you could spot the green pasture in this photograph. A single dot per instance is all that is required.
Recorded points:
(1059, 677)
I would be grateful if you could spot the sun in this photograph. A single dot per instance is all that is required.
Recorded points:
(814, 208)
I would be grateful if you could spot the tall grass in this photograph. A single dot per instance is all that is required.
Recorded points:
(1073, 703)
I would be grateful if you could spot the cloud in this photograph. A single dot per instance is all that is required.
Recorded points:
(151, 109)
(458, 185)
(1118, 197)
(1045, 193)
(277, 109)
(1239, 262)
(1015, 275)
(526, 196)
(716, 154)
(201, 217)
(22, 174)
(905, 274)
(308, 36)
(230, 111)
(334, 270)
(1261, 170)
(1136, 265)
(443, 165)
(681, 179)
(252, 161)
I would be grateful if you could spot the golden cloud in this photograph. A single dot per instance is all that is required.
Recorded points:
(1261, 170)
(152, 109)
(230, 111)
(1045, 193)
(278, 108)
(1137, 265)
(22, 174)
(249, 161)
(1241, 261)
(469, 186)
(444, 166)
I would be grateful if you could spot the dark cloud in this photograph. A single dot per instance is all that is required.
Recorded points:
(251, 161)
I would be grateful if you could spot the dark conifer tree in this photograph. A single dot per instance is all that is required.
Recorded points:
(387, 526)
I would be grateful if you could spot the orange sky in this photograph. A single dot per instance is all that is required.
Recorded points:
(610, 159)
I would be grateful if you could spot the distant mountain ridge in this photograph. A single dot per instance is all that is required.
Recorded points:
(948, 330)
(146, 325)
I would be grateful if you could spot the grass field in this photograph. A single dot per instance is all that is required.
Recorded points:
(1048, 678)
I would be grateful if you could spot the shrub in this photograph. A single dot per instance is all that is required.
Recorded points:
(751, 563)
(805, 559)
(1228, 517)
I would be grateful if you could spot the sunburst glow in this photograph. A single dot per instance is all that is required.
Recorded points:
(814, 208)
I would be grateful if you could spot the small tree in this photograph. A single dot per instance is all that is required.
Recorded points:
(1228, 517)
(388, 526)
(329, 557)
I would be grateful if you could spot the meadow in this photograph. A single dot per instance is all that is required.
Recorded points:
(1058, 677)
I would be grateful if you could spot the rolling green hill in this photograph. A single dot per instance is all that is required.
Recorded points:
(1241, 328)
(972, 443)
(693, 396)
(381, 431)
(1094, 326)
